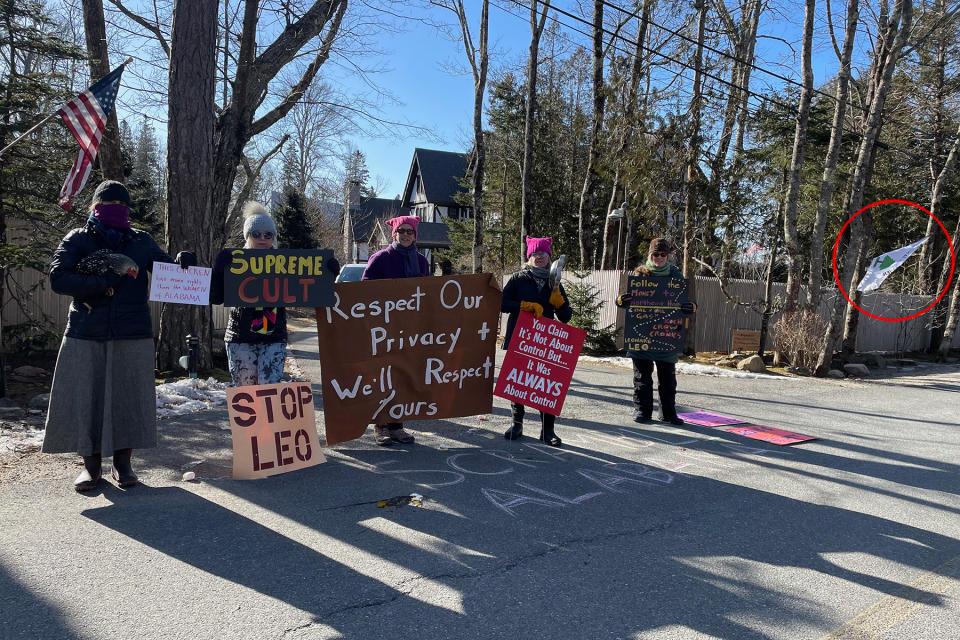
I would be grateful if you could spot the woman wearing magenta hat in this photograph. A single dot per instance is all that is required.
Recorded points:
(529, 290)
(399, 260)
(656, 266)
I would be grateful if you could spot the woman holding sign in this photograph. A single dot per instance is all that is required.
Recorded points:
(529, 290)
(103, 400)
(656, 266)
(399, 260)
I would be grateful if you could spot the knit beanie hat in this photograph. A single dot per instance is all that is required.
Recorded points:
(109, 190)
(660, 245)
(256, 218)
(538, 244)
(395, 223)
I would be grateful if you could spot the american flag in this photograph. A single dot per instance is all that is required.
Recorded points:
(86, 118)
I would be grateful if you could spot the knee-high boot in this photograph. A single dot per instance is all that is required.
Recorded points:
(547, 435)
(516, 430)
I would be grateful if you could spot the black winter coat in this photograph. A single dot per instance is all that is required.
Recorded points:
(522, 287)
(94, 315)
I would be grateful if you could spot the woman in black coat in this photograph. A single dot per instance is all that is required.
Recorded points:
(103, 396)
(529, 290)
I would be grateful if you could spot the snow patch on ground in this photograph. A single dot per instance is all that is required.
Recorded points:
(691, 369)
(189, 396)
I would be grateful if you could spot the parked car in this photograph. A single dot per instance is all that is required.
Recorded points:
(351, 272)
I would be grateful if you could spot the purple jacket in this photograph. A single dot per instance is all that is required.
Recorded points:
(389, 263)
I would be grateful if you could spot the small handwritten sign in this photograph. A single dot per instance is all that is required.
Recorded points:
(278, 278)
(654, 321)
(273, 428)
(539, 363)
(171, 283)
(407, 349)
(745, 341)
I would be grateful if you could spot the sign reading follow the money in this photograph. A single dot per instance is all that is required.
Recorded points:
(407, 349)
(654, 321)
(539, 364)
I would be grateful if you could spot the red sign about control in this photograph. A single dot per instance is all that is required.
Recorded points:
(539, 364)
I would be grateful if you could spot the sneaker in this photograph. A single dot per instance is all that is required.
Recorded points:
(400, 435)
(675, 420)
(639, 416)
(382, 435)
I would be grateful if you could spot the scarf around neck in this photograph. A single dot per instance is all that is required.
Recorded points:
(540, 274)
(113, 237)
(658, 271)
(411, 259)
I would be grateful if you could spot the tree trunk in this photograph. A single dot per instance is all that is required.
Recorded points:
(953, 319)
(693, 154)
(791, 234)
(592, 179)
(852, 320)
(889, 45)
(537, 22)
(829, 180)
(768, 288)
(190, 162)
(479, 87)
(108, 155)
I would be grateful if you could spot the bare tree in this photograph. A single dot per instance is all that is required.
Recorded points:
(94, 26)
(538, 19)
(890, 42)
(592, 178)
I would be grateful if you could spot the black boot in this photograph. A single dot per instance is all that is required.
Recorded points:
(90, 476)
(515, 431)
(122, 471)
(547, 436)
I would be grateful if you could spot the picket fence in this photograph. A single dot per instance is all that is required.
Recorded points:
(718, 318)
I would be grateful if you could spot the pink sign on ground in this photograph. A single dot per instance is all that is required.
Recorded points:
(707, 419)
(539, 364)
(770, 434)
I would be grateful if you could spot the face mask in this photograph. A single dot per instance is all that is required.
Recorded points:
(115, 216)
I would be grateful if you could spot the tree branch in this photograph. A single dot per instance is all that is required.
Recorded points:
(143, 22)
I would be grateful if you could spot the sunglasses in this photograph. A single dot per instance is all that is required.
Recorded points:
(266, 235)
(659, 254)
(539, 254)
(410, 232)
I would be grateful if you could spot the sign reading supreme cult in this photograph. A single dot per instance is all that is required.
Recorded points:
(539, 363)
(407, 349)
(273, 428)
(278, 278)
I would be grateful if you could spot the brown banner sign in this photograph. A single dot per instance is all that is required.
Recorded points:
(274, 429)
(407, 349)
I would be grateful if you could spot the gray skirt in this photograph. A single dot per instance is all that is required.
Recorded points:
(103, 397)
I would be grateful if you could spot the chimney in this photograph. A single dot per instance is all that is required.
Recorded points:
(351, 192)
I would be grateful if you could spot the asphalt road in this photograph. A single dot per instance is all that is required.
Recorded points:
(628, 531)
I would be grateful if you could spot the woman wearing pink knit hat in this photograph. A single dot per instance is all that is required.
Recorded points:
(529, 290)
(399, 260)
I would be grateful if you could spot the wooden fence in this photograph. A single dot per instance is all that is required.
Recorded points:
(717, 318)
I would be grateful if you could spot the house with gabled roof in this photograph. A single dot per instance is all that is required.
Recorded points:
(360, 217)
(433, 183)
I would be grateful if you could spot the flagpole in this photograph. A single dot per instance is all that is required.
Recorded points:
(42, 122)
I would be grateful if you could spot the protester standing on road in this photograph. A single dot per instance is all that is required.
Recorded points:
(657, 265)
(529, 290)
(103, 398)
(256, 337)
(399, 260)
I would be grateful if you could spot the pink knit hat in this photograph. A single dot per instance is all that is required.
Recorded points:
(538, 244)
(395, 223)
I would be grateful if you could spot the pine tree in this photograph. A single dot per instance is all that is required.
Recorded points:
(292, 226)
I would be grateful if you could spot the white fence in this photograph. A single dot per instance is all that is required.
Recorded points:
(717, 318)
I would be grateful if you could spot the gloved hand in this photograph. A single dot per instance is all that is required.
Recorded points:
(556, 298)
(223, 260)
(688, 308)
(186, 259)
(532, 307)
(624, 300)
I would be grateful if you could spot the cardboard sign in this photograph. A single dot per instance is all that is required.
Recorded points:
(770, 434)
(707, 419)
(170, 283)
(539, 364)
(278, 278)
(273, 428)
(407, 349)
(653, 322)
(745, 341)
